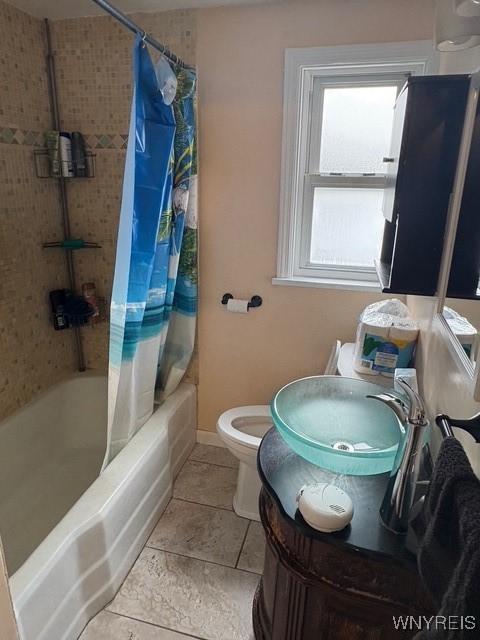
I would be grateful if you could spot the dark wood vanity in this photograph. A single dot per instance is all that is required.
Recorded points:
(343, 586)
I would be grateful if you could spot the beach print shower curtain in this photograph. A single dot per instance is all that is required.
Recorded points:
(152, 324)
(181, 302)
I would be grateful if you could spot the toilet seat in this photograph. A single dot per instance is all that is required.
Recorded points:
(247, 419)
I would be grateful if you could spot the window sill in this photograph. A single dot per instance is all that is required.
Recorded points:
(329, 283)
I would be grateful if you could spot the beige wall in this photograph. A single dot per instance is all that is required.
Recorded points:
(244, 359)
(32, 355)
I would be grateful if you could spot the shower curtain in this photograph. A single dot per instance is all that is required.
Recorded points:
(153, 312)
(178, 339)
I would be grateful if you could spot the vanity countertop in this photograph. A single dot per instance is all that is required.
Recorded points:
(283, 473)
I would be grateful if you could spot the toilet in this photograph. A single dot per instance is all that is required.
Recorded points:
(242, 429)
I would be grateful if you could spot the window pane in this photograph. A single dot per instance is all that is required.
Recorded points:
(356, 128)
(347, 226)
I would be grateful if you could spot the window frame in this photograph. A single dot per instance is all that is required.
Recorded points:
(307, 71)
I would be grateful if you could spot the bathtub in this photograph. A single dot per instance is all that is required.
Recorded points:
(70, 534)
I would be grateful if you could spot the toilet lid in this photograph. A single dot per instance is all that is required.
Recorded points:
(248, 415)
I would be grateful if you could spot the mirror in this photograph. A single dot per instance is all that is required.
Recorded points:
(463, 320)
(459, 281)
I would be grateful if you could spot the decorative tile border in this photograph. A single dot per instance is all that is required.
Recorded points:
(106, 141)
(11, 135)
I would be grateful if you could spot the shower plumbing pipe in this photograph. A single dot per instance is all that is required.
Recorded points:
(62, 188)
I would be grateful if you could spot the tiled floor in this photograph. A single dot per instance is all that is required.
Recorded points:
(197, 574)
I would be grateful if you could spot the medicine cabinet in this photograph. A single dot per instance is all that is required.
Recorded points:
(427, 131)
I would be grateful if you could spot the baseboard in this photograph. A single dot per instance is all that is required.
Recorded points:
(209, 437)
(179, 459)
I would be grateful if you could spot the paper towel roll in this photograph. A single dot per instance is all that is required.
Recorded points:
(237, 306)
(359, 364)
(384, 322)
(405, 332)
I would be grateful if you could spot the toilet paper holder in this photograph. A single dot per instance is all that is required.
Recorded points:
(255, 301)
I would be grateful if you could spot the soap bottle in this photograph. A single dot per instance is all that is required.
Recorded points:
(52, 142)
(89, 292)
(57, 303)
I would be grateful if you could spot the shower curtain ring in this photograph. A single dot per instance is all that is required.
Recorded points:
(144, 38)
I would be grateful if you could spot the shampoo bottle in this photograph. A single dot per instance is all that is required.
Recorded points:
(52, 142)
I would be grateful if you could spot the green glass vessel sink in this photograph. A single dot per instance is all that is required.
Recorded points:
(329, 421)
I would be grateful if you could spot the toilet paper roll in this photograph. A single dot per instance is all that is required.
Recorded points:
(237, 306)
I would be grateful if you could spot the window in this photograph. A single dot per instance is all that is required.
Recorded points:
(338, 118)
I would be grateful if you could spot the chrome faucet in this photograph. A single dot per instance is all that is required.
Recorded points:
(400, 493)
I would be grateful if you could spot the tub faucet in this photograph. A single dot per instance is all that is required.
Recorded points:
(400, 493)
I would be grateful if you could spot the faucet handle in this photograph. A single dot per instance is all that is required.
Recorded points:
(417, 412)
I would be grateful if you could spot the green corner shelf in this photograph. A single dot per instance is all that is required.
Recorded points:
(72, 244)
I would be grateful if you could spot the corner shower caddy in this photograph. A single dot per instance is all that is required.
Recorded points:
(42, 165)
(68, 243)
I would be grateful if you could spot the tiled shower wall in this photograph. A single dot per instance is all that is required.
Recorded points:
(93, 61)
(32, 355)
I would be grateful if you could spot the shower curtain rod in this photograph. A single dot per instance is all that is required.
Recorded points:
(125, 20)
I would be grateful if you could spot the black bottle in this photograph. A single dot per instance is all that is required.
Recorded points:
(57, 302)
(79, 155)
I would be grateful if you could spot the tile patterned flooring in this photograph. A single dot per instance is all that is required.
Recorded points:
(197, 574)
